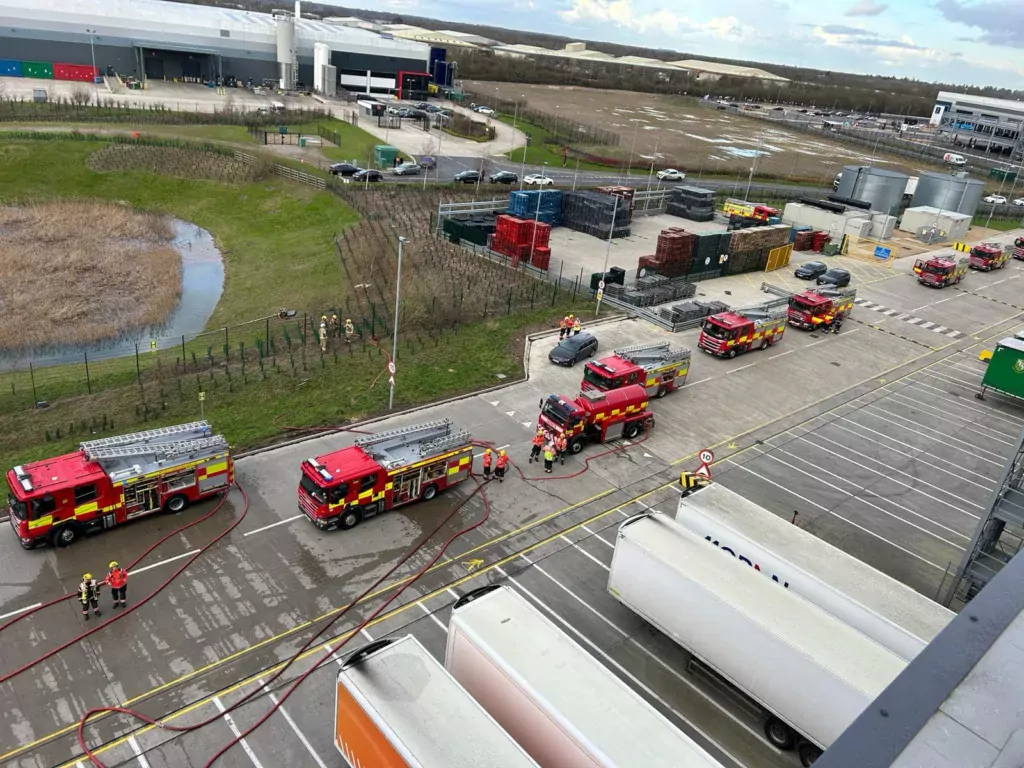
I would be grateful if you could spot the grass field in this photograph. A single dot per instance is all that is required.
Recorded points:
(278, 243)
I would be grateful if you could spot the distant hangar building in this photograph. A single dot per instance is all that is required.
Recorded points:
(164, 40)
(980, 122)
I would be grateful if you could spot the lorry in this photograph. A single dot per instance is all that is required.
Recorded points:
(988, 256)
(111, 480)
(885, 610)
(818, 307)
(396, 706)
(728, 334)
(596, 416)
(911, 188)
(566, 708)
(382, 471)
(1005, 371)
(940, 271)
(657, 367)
(809, 674)
(750, 210)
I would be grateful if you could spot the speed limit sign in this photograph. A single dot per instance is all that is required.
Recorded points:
(600, 284)
(706, 456)
(391, 367)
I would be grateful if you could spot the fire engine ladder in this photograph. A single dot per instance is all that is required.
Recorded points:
(197, 428)
(646, 354)
(761, 313)
(836, 293)
(210, 444)
(442, 444)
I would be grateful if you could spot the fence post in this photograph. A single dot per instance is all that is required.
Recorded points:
(509, 309)
(184, 365)
(138, 368)
(226, 344)
(32, 376)
(88, 382)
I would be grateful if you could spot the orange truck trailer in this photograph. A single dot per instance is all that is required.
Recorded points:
(596, 416)
(818, 307)
(397, 707)
(728, 334)
(112, 480)
(382, 471)
(988, 256)
(657, 367)
(940, 271)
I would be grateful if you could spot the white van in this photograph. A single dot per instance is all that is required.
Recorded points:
(952, 159)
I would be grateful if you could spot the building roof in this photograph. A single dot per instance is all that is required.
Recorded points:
(731, 70)
(176, 26)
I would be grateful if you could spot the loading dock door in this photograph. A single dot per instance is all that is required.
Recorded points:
(154, 68)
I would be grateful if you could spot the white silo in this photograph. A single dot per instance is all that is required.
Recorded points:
(321, 60)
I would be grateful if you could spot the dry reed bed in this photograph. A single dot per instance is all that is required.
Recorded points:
(174, 161)
(81, 272)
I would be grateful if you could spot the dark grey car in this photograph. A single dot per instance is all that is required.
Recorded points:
(811, 270)
(836, 277)
(573, 349)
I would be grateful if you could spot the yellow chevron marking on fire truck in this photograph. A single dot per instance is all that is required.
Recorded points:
(389, 486)
(213, 469)
(86, 509)
(365, 494)
(45, 520)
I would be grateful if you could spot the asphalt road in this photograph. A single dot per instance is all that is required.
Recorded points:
(250, 602)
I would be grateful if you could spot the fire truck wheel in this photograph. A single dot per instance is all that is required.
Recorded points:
(731, 353)
(662, 391)
(176, 504)
(350, 519)
(764, 344)
(64, 536)
(576, 445)
(631, 430)
(429, 492)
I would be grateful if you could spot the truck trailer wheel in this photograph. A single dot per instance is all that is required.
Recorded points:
(631, 430)
(64, 536)
(779, 734)
(176, 504)
(808, 754)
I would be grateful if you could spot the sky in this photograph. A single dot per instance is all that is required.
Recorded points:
(976, 42)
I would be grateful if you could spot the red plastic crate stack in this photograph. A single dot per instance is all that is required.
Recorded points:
(803, 241)
(510, 234)
(645, 263)
(541, 257)
(819, 240)
(542, 238)
(674, 253)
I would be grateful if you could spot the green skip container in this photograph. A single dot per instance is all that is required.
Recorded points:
(41, 69)
(1005, 372)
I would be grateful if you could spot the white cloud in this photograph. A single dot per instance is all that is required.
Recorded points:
(866, 8)
(622, 13)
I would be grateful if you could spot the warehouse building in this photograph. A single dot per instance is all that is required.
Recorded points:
(978, 122)
(155, 39)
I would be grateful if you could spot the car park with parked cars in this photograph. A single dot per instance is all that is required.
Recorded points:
(811, 270)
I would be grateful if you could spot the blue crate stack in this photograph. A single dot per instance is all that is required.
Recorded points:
(792, 234)
(523, 205)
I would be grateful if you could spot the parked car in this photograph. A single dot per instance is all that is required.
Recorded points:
(467, 177)
(406, 169)
(811, 270)
(432, 108)
(573, 349)
(1019, 201)
(538, 179)
(482, 110)
(836, 277)
(368, 174)
(428, 162)
(671, 174)
(421, 105)
(996, 199)
(503, 177)
(343, 169)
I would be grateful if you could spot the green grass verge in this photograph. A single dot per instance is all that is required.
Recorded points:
(1003, 225)
(355, 144)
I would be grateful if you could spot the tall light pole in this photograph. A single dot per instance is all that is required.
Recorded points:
(636, 127)
(607, 254)
(650, 175)
(576, 174)
(95, 72)
(753, 167)
(394, 331)
(515, 118)
(536, 219)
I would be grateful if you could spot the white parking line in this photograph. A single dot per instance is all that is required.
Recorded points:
(287, 520)
(949, 413)
(942, 375)
(139, 754)
(942, 394)
(597, 535)
(940, 436)
(238, 734)
(584, 552)
(839, 517)
(299, 733)
(20, 610)
(182, 556)
(430, 613)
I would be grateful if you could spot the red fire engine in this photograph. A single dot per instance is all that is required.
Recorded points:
(382, 471)
(656, 367)
(1018, 248)
(988, 256)
(115, 479)
(597, 416)
(819, 307)
(940, 271)
(730, 333)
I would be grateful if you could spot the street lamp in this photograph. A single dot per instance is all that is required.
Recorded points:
(394, 331)
(515, 118)
(95, 71)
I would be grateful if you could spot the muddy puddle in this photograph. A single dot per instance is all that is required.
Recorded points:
(202, 282)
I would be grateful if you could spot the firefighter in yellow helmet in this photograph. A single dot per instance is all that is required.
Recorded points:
(117, 580)
(323, 337)
(350, 330)
(335, 325)
(501, 466)
(89, 594)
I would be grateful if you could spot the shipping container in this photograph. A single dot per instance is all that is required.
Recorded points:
(560, 703)
(10, 68)
(812, 674)
(40, 69)
(889, 612)
(397, 707)
(79, 72)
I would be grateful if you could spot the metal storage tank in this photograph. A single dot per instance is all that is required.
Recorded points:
(879, 186)
(948, 193)
(286, 49)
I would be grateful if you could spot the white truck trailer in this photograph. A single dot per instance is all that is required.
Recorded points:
(397, 707)
(560, 703)
(887, 611)
(810, 673)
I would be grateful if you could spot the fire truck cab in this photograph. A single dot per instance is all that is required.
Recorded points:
(383, 471)
(816, 308)
(657, 367)
(730, 333)
(940, 271)
(747, 210)
(112, 480)
(1018, 248)
(597, 416)
(988, 256)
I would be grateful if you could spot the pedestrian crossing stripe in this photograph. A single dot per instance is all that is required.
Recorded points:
(920, 322)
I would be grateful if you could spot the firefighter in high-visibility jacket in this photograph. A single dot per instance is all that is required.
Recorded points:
(538, 443)
(89, 594)
(502, 465)
(117, 580)
(563, 327)
(488, 459)
(549, 457)
(561, 445)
